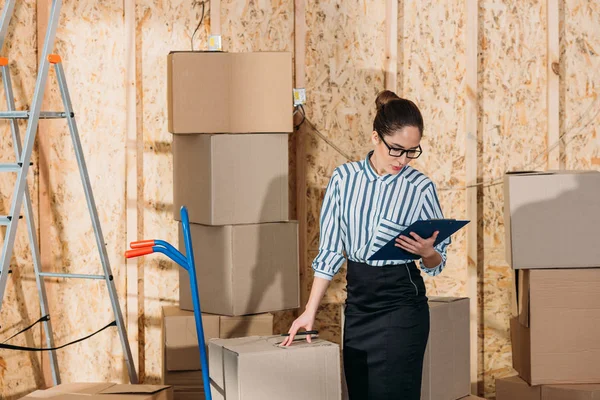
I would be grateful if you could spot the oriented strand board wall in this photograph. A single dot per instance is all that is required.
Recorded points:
(93, 57)
(19, 305)
(344, 65)
(580, 84)
(513, 130)
(433, 70)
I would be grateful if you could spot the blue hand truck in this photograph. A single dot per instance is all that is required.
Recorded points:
(145, 247)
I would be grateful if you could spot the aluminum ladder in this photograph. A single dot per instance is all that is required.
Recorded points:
(21, 196)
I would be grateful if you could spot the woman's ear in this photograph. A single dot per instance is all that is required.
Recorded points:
(375, 138)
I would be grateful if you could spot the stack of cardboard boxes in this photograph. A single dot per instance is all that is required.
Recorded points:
(553, 244)
(230, 115)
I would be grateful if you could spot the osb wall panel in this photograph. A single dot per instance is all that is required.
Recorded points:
(513, 130)
(163, 27)
(20, 372)
(261, 25)
(93, 54)
(432, 76)
(160, 28)
(580, 84)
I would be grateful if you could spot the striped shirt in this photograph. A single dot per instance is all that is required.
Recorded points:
(362, 211)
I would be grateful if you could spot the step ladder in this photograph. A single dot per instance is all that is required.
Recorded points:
(21, 194)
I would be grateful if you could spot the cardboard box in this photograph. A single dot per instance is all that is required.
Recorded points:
(180, 341)
(243, 269)
(264, 370)
(231, 179)
(514, 388)
(471, 397)
(212, 92)
(556, 337)
(189, 395)
(571, 392)
(446, 368)
(551, 219)
(104, 391)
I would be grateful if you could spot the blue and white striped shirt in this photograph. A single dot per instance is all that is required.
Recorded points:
(362, 211)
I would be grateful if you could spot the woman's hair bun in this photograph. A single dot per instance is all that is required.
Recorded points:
(385, 97)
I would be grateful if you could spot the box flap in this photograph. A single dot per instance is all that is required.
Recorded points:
(81, 387)
(521, 349)
(43, 394)
(268, 344)
(134, 389)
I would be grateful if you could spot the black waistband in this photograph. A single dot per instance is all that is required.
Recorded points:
(360, 263)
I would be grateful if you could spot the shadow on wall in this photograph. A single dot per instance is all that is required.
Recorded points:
(270, 282)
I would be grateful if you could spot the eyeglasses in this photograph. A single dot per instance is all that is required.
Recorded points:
(397, 152)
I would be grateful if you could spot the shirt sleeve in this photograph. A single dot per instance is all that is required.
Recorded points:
(331, 247)
(431, 210)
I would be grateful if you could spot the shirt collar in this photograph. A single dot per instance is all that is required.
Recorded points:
(372, 175)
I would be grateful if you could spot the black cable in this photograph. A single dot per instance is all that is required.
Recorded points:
(21, 348)
(44, 318)
(300, 108)
(199, 23)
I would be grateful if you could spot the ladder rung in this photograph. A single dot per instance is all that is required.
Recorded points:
(10, 167)
(5, 219)
(74, 276)
(25, 114)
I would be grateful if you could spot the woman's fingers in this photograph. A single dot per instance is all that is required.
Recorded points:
(292, 332)
(407, 244)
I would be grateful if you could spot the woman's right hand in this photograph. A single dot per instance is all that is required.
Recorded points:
(306, 321)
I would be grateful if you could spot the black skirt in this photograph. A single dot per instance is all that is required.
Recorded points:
(385, 332)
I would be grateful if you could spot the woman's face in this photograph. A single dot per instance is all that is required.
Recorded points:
(407, 138)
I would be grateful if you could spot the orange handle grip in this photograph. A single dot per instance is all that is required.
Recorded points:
(54, 59)
(3, 61)
(142, 243)
(139, 252)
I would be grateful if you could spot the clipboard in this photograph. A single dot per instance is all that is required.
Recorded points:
(423, 228)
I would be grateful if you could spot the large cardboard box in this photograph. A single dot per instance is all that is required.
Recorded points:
(257, 368)
(231, 179)
(229, 92)
(180, 342)
(243, 269)
(551, 219)
(446, 367)
(556, 337)
(514, 388)
(104, 391)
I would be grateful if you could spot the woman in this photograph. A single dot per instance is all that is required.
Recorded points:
(366, 204)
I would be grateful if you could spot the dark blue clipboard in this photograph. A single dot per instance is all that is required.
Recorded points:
(423, 228)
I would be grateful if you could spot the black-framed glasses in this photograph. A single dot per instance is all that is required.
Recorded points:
(397, 152)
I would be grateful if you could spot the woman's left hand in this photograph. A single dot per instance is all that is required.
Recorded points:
(417, 245)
